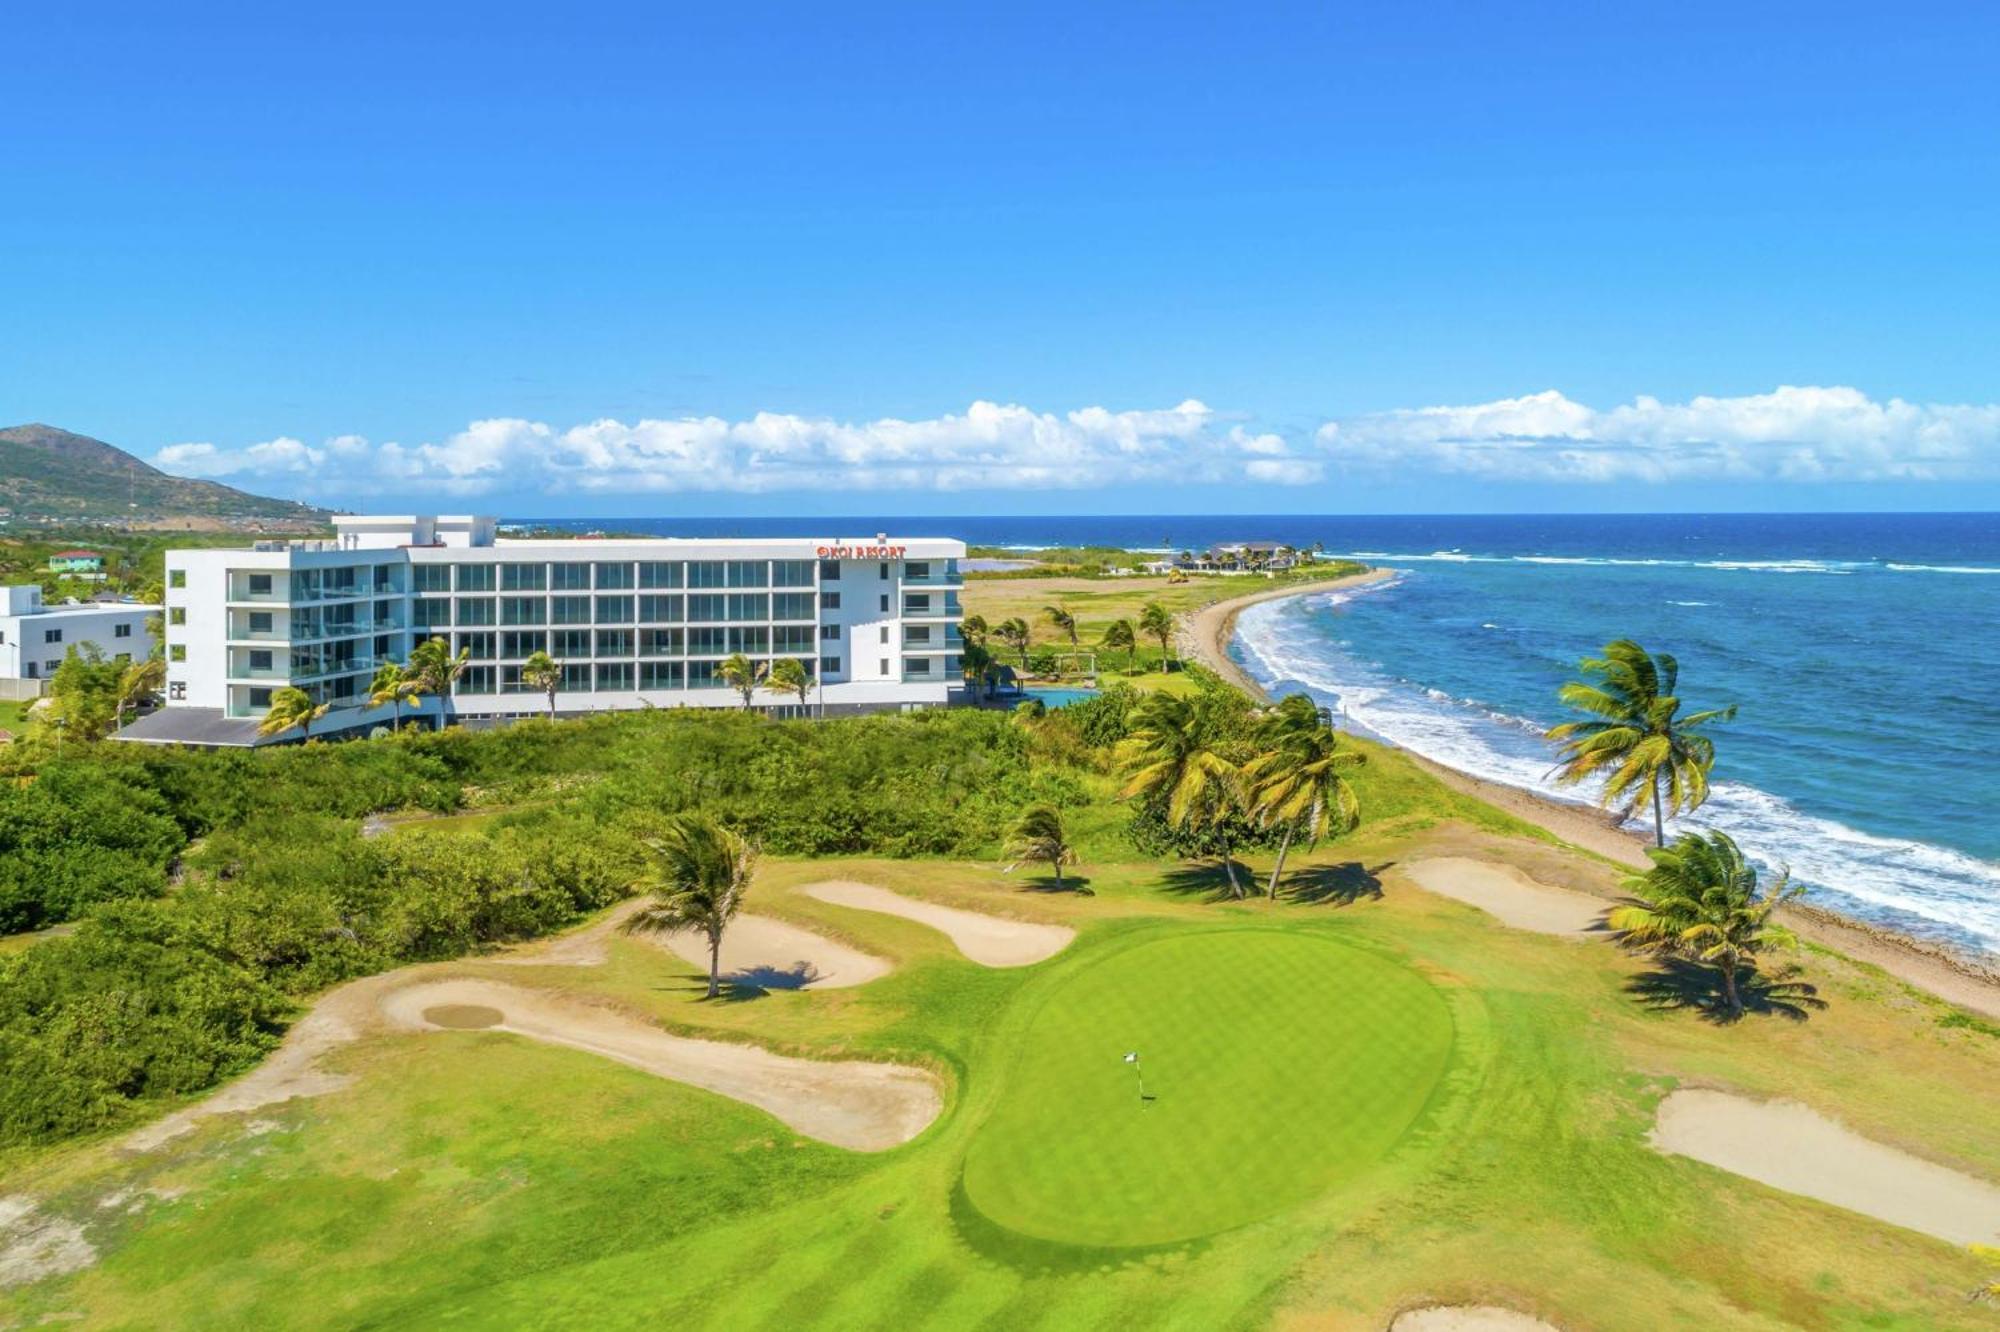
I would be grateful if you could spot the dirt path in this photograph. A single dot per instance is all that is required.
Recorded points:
(1511, 897)
(1468, 1318)
(1795, 1148)
(773, 955)
(991, 941)
(862, 1106)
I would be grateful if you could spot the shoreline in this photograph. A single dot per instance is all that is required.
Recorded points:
(1930, 967)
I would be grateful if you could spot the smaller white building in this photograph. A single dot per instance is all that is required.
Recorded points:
(35, 636)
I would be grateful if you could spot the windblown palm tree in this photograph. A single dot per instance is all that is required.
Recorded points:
(698, 876)
(543, 674)
(138, 684)
(1063, 620)
(788, 676)
(1700, 901)
(1038, 837)
(1170, 760)
(389, 685)
(1119, 637)
(976, 661)
(1296, 782)
(434, 670)
(1156, 621)
(973, 629)
(1634, 739)
(291, 706)
(1014, 633)
(742, 675)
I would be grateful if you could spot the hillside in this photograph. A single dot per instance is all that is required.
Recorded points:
(46, 473)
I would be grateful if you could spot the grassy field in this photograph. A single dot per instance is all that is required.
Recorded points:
(1369, 1098)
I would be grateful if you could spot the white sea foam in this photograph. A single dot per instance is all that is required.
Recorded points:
(1902, 880)
(1689, 603)
(1798, 566)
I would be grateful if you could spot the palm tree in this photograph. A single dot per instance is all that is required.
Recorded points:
(1039, 836)
(698, 875)
(976, 661)
(1636, 743)
(1295, 781)
(973, 629)
(1015, 634)
(1119, 637)
(139, 682)
(1700, 901)
(389, 685)
(1064, 621)
(788, 676)
(434, 670)
(741, 674)
(291, 706)
(543, 674)
(1171, 760)
(1156, 621)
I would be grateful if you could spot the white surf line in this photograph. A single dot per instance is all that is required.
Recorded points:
(1793, 1147)
(991, 941)
(1511, 897)
(865, 1107)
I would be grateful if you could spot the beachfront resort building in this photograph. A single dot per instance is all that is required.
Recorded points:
(35, 636)
(633, 623)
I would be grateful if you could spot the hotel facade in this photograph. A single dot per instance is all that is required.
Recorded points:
(633, 623)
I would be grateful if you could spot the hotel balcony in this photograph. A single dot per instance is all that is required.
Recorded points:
(932, 606)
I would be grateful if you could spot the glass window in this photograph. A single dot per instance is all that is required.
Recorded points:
(749, 606)
(704, 607)
(524, 577)
(792, 606)
(756, 639)
(510, 681)
(792, 638)
(916, 633)
(705, 573)
(661, 609)
(480, 647)
(829, 601)
(476, 680)
(614, 610)
(260, 660)
(885, 569)
(523, 644)
(917, 569)
(430, 578)
(749, 573)
(701, 675)
(829, 665)
(660, 573)
(475, 578)
(260, 698)
(661, 642)
(916, 665)
(706, 642)
(260, 585)
(576, 677)
(791, 573)
(118, 631)
(829, 571)
(614, 675)
(569, 610)
(475, 610)
(885, 603)
(570, 643)
(830, 632)
(569, 577)
(614, 577)
(430, 612)
(661, 674)
(614, 642)
(524, 610)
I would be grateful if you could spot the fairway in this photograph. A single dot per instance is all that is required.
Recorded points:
(1280, 1067)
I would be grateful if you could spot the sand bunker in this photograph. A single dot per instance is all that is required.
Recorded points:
(866, 1107)
(772, 955)
(991, 941)
(1468, 1318)
(1795, 1148)
(1510, 896)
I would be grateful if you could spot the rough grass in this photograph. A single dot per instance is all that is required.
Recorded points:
(478, 1180)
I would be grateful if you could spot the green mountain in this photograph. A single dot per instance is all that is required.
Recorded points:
(46, 473)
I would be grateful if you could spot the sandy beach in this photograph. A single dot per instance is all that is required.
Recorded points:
(1205, 637)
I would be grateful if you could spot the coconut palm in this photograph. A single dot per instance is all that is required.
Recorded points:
(1168, 758)
(1063, 620)
(543, 674)
(1634, 739)
(139, 683)
(741, 674)
(698, 874)
(390, 684)
(973, 629)
(1156, 621)
(976, 661)
(1015, 634)
(1038, 837)
(1700, 901)
(291, 706)
(1119, 637)
(434, 670)
(1295, 780)
(788, 676)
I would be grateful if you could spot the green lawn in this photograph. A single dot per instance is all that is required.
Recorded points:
(1279, 1065)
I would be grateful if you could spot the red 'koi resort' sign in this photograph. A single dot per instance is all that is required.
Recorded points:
(862, 552)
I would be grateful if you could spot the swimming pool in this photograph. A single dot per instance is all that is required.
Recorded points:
(1057, 697)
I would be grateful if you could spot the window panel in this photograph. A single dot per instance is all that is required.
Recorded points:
(430, 578)
(569, 643)
(614, 642)
(749, 573)
(569, 610)
(705, 573)
(614, 577)
(829, 571)
(661, 642)
(475, 578)
(661, 675)
(476, 680)
(614, 610)
(569, 577)
(614, 675)
(705, 607)
(524, 610)
(523, 644)
(707, 642)
(576, 676)
(791, 573)
(749, 606)
(662, 609)
(524, 577)
(792, 638)
(476, 610)
(661, 573)
(480, 646)
(756, 639)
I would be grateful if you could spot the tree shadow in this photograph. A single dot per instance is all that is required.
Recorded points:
(1071, 883)
(1676, 984)
(1208, 880)
(1342, 885)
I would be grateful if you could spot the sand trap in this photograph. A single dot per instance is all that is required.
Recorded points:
(772, 955)
(991, 941)
(1510, 896)
(866, 1107)
(1468, 1318)
(1795, 1148)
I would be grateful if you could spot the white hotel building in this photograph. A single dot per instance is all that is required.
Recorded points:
(634, 623)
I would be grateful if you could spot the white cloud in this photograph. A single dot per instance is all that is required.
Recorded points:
(1791, 434)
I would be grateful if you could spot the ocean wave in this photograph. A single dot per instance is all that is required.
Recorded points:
(1788, 566)
(1944, 568)
(1690, 603)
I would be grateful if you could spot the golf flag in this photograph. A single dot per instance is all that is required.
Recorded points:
(1132, 1057)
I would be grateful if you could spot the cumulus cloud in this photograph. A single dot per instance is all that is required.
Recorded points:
(1790, 434)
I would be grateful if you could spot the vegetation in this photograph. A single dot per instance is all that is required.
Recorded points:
(699, 872)
(1039, 837)
(543, 674)
(741, 674)
(1156, 621)
(1180, 763)
(51, 473)
(1118, 637)
(291, 708)
(1296, 780)
(787, 677)
(1635, 740)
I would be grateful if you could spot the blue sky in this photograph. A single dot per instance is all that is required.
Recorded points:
(760, 259)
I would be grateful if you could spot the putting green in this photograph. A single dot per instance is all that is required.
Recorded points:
(1280, 1065)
